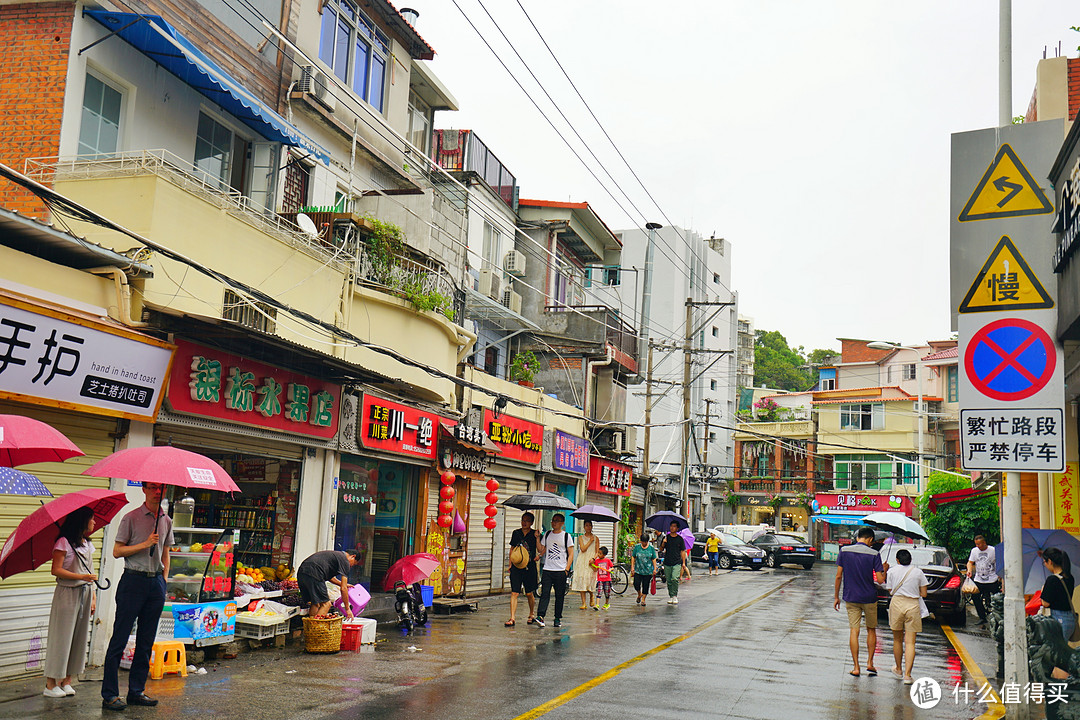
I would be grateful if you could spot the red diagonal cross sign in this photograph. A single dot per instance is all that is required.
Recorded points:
(1009, 359)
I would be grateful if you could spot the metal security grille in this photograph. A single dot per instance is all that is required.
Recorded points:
(255, 315)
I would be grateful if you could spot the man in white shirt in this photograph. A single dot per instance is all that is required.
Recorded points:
(557, 549)
(907, 583)
(982, 568)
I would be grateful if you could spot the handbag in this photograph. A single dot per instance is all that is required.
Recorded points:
(1075, 636)
(1034, 605)
(652, 590)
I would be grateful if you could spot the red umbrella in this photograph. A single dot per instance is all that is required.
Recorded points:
(32, 542)
(166, 465)
(24, 441)
(410, 569)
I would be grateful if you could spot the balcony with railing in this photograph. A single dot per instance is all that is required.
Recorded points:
(462, 151)
(596, 325)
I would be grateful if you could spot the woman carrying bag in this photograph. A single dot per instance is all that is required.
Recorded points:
(584, 577)
(72, 605)
(907, 583)
(1057, 590)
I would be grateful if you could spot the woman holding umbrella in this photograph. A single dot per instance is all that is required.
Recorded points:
(72, 605)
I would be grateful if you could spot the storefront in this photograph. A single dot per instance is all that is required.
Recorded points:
(608, 481)
(83, 376)
(837, 515)
(382, 493)
(258, 422)
(565, 465)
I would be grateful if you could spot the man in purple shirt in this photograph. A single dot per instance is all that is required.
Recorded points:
(858, 567)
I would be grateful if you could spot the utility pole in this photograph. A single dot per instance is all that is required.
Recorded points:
(648, 414)
(705, 457)
(646, 289)
(686, 407)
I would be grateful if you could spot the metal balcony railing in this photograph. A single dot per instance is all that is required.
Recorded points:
(597, 319)
(463, 151)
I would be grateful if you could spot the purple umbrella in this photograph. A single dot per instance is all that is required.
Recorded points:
(688, 537)
(596, 513)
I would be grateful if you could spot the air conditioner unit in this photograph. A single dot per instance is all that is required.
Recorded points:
(515, 263)
(314, 82)
(618, 438)
(511, 300)
(629, 444)
(490, 284)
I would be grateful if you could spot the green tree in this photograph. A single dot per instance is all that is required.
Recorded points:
(778, 365)
(954, 525)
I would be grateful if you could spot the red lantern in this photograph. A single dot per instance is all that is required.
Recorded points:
(446, 507)
(489, 523)
(492, 484)
(492, 498)
(447, 478)
(491, 511)
(446, 492)
(445, 521)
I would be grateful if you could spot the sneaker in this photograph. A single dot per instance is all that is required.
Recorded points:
(68, 690)
(54, 692)
(607, 605)
(558, 622)
(671, 601)
(539, 621)
(674, 601)
(595, 607)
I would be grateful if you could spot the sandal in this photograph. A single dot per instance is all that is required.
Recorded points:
(531, 620)
(509, 623)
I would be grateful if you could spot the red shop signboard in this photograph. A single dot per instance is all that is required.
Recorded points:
(517, 439)
(216, 384)
(396, 428)
(608, 476)
(853, 503)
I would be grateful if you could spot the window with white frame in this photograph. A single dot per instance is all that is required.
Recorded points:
(909, 371)
(828, 383)
(712, 384)
(419, 123)
(492, 242)
(233, 161)
(213, 149)
(862, 416)
(355, 50)
(99, 131)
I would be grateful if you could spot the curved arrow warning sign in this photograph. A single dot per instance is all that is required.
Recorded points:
(1006, 189)
(1010, 359)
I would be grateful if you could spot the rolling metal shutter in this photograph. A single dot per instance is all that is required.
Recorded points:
(25, 598)
(604, 531)
(485, 562)
(228, 439)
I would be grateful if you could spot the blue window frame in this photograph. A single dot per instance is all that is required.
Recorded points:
(355, 50)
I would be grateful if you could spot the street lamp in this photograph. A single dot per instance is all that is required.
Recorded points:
(881, 345)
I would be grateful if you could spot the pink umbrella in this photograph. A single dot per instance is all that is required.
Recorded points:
(688, 537)
(410, 569)
(32, 542)
(24, 441)
(167, 465)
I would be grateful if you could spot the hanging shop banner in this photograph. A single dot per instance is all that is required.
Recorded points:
(212, 383)
(608, 476)
(458, 449)
(517, 439)
(1066, 497)
(59, 359)
(396, 428)
(825, 503)
(571, 453)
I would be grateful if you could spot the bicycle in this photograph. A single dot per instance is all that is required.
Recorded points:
(620, 578)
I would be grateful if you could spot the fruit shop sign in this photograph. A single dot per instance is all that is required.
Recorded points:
(854, 503)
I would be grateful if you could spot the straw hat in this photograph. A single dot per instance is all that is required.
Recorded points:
(519, 556)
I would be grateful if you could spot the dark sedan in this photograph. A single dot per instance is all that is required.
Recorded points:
(733, 551)
(943, 596)
(780, 549)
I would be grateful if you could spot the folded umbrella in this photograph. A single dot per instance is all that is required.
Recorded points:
(166, 465)
(410, 569)
(539, 500)
(17, 482)
(596, 513)
(24, 441)
(31, 544)
(661, 521)
(896, 522)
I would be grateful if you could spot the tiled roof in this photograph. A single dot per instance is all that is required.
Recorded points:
(953, 352)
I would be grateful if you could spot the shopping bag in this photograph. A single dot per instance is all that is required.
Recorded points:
(652, 590)
(1034, 605)
(969, 587)
(923, 610)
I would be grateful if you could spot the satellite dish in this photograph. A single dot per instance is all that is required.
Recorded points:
(307, 225)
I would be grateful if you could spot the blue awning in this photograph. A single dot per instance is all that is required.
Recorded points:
(159, 41)
(839, 519)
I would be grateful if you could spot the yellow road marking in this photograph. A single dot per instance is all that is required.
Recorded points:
(995, 709)
(569, 695)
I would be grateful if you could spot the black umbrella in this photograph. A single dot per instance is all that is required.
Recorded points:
(539, 500)
(661, 521)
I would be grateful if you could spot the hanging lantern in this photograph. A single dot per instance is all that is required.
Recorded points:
(489, 523)
(492, 484)
(446, 507)
(447, 478)
(446, 492)
(491, 511)
(491, 498)
(445, 521)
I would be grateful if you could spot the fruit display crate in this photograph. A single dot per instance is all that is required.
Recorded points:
(261, 628)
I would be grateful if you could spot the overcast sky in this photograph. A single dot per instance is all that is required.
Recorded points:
(814, 136)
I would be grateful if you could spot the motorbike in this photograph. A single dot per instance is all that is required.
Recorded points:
(409, 604)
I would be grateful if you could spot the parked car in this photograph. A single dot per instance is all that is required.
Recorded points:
(734, 551)
(781, 548)
(943, 596)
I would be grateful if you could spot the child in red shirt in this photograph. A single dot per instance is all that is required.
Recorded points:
(603, 566)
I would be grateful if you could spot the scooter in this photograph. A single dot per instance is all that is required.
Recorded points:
(409, 604)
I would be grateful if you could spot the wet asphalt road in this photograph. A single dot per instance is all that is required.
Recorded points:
(747, 644)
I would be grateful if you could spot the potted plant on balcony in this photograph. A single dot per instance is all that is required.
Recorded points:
(523, 368)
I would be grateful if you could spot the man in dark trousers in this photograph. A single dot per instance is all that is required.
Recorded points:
(982, 568)
(143, 540)
(323, 567)
(557, 548)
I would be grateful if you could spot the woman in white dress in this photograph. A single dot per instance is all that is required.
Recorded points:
(72, 605)
(584, 579)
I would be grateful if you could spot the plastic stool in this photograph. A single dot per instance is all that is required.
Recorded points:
(168, 657)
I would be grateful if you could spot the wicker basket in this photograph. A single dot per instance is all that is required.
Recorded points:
(322, 635)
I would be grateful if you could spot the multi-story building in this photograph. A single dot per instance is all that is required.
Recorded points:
(745, 354)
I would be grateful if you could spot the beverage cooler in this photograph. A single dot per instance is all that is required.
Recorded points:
(199, 607)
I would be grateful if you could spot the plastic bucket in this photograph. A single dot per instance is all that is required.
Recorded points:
(427, 593)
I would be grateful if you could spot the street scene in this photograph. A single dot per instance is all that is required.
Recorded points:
(496, 358)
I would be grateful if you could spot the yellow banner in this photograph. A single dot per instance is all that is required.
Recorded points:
(1066, 499)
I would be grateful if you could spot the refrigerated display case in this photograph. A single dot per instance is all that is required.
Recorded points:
(202, 574)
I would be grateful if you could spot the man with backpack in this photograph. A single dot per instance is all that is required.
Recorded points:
(557, 549)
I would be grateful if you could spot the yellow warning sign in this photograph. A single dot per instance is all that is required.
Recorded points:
(1006, 190)
(1005, 282)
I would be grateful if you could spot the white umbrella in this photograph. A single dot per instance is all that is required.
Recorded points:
(896, 522)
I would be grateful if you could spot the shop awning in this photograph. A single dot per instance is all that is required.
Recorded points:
(839, 519)
(163, 44)
(486, 446)
(965, 495)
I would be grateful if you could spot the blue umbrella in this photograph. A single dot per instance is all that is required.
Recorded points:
(661, 521)
(17, 482)
(1035, 541)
